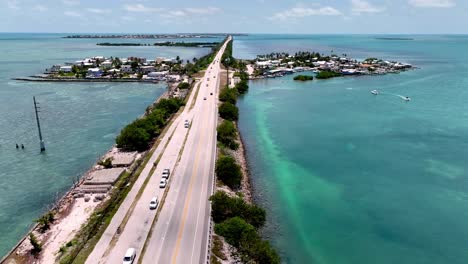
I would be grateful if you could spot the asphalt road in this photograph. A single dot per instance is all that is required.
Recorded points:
(177, 232)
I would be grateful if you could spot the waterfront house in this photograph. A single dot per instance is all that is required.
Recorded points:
(94, 72)
(66, 68)
(157, 74)
(126, 68)
(137, 59)
(147, 69)
(53, 69)
(106, 65)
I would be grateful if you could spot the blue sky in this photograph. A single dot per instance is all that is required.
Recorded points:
(249, 16)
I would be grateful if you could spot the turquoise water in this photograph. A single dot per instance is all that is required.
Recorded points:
(348, 177)
(79, 120)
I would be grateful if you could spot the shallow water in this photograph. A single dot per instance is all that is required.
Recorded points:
(349, 177)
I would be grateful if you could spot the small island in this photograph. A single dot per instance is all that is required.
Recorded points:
(165, 44)
(327, 74)
(325, 66)
(303, 78)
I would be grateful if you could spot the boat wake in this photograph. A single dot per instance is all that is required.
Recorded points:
(405, 98)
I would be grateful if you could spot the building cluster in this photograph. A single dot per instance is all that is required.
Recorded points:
(287, 64)
(101, 67)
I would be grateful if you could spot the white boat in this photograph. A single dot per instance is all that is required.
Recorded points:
(407, 98)
(374, 92)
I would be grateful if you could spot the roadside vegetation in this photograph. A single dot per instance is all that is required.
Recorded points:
(235, 219)
(183, 85)
(138, 135)
(238, 222)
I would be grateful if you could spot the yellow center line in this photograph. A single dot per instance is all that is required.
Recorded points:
(187, 199)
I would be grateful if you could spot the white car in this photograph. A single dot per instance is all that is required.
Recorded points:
(165, 173)
(154, 203)
(186, 124)
(162, 183)
(129, 256)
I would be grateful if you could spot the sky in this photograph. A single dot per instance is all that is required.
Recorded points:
(236, 16)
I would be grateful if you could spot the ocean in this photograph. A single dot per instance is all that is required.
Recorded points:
(79, 120)
(349, 177)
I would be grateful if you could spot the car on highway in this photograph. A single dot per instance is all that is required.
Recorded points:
(129, 256)
(186, 124)
(162, 183)
(165, 173)
(154, 203)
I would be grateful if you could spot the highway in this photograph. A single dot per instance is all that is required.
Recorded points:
(177, 232)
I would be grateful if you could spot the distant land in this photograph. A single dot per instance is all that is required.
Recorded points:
(152, 36)
(393, 38)
(164, 44)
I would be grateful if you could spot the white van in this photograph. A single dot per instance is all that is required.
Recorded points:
(129, 256)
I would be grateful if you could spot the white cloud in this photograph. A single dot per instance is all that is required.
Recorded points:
(71, 2)
(362, 6)
(40, 8)
(190, 11)
(141, 8)
(203, 11)
(72, 14)
(432, 3)
(128, 18)
(298, 12)
(13, 4)
(99, 11)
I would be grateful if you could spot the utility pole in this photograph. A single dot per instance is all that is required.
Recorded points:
(38, 125)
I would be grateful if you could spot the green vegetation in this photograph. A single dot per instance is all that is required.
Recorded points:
(203, 62)
(228, 172)
(228, 111)
(228, 95)
(229, 61)
(227, 134)
(303, 78)
(327, 74)
(138, 134)
(37, 246)
(107, 163)
(238, 222)
(45, 220)
(225, 207)
(183, 85)
(242, 87)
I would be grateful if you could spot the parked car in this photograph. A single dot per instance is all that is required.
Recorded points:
(129, 256)
(211, 93)
(204, 98)
(154, 203)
